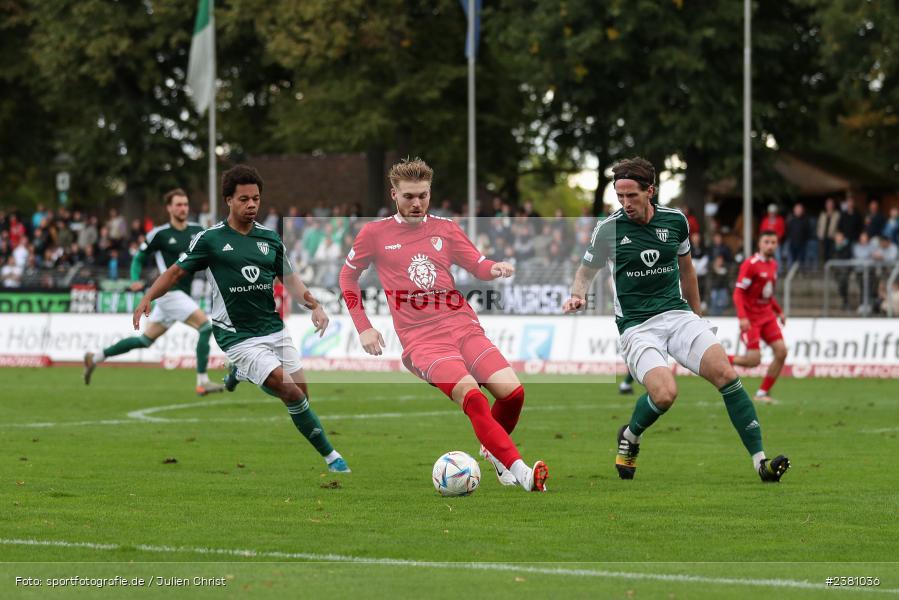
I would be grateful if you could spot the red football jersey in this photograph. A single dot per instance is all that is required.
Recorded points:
(754, 290)
(413, 261)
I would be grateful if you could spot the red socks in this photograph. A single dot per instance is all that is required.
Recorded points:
(507, 410)
(488, 431)
(767, 384)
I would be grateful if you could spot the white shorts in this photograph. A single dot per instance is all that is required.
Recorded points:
(172, 307)
(680, 333)
(257, 357)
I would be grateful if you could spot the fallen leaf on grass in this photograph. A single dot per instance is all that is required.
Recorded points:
(171, 460)
(331, 485)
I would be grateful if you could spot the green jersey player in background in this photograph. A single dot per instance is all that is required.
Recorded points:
(241, 259)
(165, 244)
(657, 307)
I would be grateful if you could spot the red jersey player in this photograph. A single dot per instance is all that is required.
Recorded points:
(758, 312)
(443, 341)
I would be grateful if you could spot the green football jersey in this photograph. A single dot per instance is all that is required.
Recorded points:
(643, 260)
(166, 244)
(241, 270)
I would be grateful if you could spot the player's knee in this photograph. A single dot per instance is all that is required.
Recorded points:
(665, 396)
(780, 353)
(147, 341)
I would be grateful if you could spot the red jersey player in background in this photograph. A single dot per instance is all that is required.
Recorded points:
(443, 341)
(759, 311)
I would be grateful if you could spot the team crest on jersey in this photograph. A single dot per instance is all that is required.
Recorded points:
(437, 242)
(250, 273)
(662, 234)
(650, 256)
(263, 247)
(422, 272)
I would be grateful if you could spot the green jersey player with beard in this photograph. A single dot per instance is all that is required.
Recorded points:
(657, 307)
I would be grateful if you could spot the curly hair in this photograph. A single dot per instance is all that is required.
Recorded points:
(239, 175)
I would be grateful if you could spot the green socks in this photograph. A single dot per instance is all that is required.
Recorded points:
(645, 414)
(308, 424)
(742, 414)
(629, 379)
(127, 345)
(205, 331)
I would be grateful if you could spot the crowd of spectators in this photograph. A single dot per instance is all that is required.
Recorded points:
(55, 248)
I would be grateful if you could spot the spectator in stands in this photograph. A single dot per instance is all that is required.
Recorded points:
(113, 264)
(889, 301)
(90, 256)
(798, 234)
(117, 228)
(16, 230)
(320, 211)
(293, 226)
(774, 222)
(862, 252)
(700, 256)
(884, 250)
(719, 248)
(136, 233)
(88, 235)
(38, 216)
(523, 240)
(5, 248)
(76, 225)
(312, 237)
(874, 220)
(842, 250)
(719, 282)
(851, 222)
(104, 244)
(827, 228)
(272, 219)
(327, 262)
(11, 274)
(891, 229)
(692, 221)
(21, 251)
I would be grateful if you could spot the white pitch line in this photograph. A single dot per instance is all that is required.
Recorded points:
(479, 566)
(139, 418)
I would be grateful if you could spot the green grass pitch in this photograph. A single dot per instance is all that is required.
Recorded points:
(87, 490)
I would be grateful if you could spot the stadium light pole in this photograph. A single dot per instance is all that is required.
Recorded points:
(213, 199)
(472, 165)
(747, 128)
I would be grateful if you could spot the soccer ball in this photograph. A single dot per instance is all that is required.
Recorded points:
(456, 474)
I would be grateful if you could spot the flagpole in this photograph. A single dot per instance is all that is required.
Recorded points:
(747, 128)
(213, 197)
(472, 165)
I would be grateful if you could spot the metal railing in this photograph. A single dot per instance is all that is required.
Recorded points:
(788, 288)
(865, 266)
(892, 279)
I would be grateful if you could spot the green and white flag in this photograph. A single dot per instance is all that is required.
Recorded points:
(201, 67)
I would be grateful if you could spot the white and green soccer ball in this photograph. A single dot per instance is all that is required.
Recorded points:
(456, 474)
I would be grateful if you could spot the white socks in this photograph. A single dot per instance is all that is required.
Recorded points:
(334, 455)
(202, 378)
(757, 459)
(523, 473)
(629, 436)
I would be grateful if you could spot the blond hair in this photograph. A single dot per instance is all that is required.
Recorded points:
(410, 169)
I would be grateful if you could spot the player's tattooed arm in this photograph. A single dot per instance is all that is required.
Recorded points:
(163, 283)
(689, 283)
(583, 279)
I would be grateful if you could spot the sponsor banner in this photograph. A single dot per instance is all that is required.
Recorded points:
(25, 360)
(34, 302)
(540, 345)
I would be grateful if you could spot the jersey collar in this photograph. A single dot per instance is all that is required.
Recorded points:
(399, 219)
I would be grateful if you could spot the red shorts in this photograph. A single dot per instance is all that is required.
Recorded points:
(768, 330)
(445, 352)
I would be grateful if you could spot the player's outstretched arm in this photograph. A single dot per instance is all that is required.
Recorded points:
(689, 283)
(297, 289)
(163, 284)
(583, 279)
